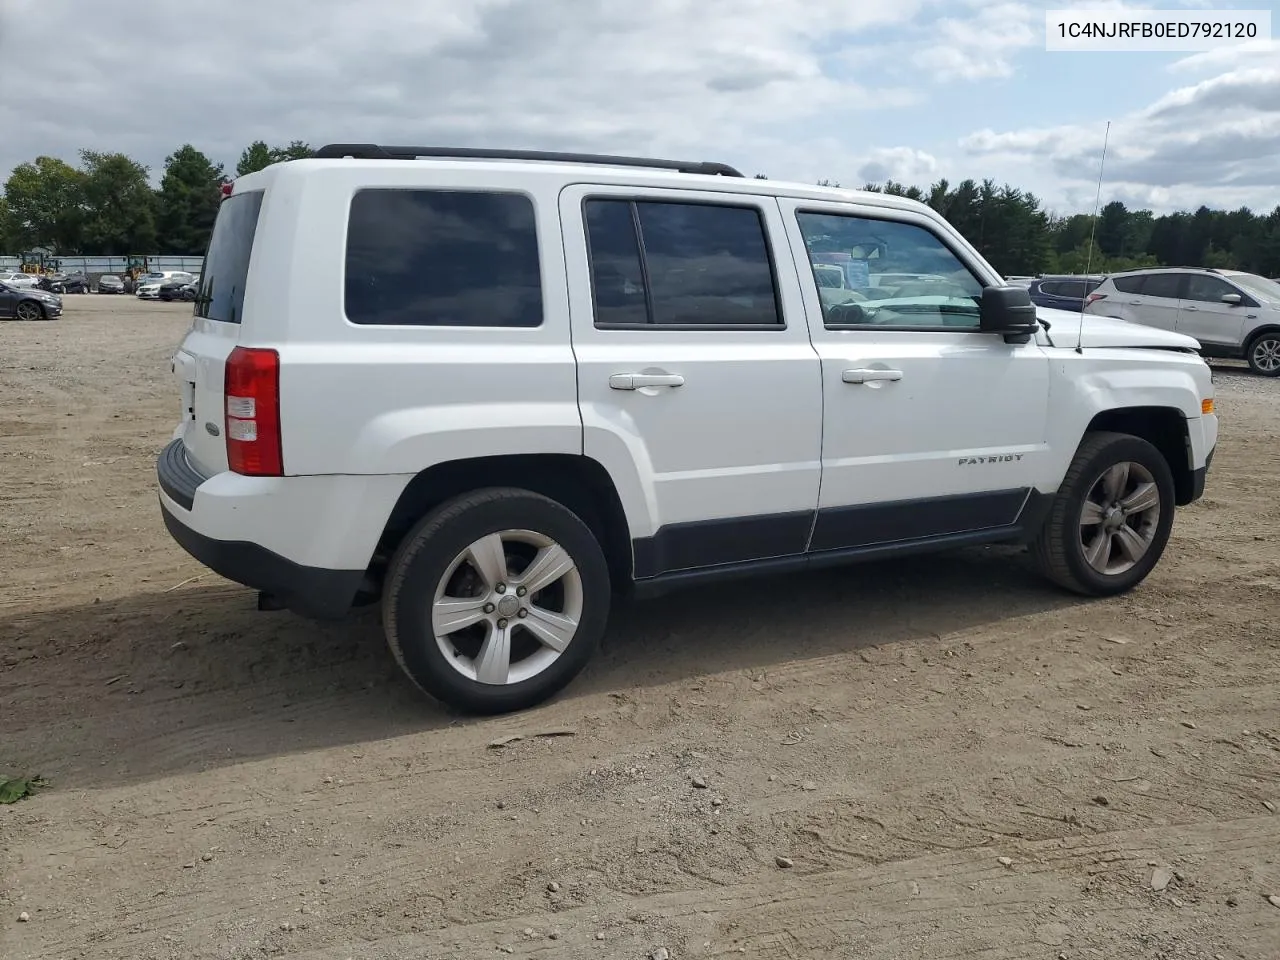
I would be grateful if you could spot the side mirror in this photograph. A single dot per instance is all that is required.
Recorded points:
(1008, 311)
(1234, 299)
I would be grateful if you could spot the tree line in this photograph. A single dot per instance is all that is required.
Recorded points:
(106, 206)
(1013, 230)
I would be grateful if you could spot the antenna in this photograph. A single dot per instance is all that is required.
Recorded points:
(1093, 228)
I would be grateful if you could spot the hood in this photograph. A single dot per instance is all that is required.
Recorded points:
(1108, 332)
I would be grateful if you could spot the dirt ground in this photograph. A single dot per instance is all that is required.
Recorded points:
(955, 759)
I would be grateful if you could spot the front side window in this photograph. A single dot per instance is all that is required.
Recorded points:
(1206, 289)
(442, 258)
(894, 274)
(672, 264)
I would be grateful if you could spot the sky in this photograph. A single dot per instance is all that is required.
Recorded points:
(845, 90)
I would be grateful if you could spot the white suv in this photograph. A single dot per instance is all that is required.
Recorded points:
(1232, 314)
(494, 389)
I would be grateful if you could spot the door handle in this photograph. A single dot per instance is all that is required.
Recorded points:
(866, 376)
(1191, 309)
(1135, 303)
(634, 381)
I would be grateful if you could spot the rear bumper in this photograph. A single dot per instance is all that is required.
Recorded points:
(309, 540)
(310, 591)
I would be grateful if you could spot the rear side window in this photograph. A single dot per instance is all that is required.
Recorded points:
(442, 259)
(1129, 284)
(680, 264)
(226, 262)
(1167, 286)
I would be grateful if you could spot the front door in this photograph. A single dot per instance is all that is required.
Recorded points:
(8, 301)
(698, 386)
(932, 429)
(1207, 318)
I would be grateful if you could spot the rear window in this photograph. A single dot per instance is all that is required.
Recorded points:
(444, 258)
(226, 263)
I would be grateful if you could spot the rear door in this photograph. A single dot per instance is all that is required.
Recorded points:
(698, 386)
(1156, 302)
(1205, 316)
(215, 330)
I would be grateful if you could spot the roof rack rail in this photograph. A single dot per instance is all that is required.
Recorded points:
(374, 151)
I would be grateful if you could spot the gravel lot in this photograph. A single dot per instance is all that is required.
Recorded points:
(937, 758)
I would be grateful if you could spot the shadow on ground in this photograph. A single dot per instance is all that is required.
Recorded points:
(96, 693)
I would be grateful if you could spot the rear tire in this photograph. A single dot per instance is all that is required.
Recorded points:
(460, 619)
(1263, 354)
(1111, 519)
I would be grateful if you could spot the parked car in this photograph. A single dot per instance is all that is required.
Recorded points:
(149, 284)
(64, 283)
(24, 281)
(177, 290)
(110, 283)
(1230, 313)
(28, 303)
(538, 383)
(1062, 292)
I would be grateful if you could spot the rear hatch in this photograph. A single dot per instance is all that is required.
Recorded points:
(200, 362)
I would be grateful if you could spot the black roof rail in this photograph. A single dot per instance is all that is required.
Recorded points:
(374, 151)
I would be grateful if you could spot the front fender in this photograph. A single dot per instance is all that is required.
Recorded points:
(1103, 381)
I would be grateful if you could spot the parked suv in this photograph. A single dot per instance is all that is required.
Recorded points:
(1231, 314)
(1062, 293)
(490, 390)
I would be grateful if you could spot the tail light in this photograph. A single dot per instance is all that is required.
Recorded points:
(252, 395)
(226, 190)
(1094, 297)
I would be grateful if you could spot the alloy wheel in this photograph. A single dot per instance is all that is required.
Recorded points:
(507, 607)
(1119, 518)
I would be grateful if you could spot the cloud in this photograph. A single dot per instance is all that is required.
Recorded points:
(850, 90)
(903, 164)
(979, 47)
(1222, 133)
(669, 76)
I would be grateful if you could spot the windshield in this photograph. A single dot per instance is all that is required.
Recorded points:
(1260, 287)
(226, 263)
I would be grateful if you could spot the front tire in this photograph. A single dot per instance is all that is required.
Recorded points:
(496, 600)
(1111, 519)
(1263, 354)
(27, 310)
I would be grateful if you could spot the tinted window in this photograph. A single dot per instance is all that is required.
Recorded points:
(442, 258)
(1207, 289)
(704, 264)
(1165, 285)
(1129, 284)
(617, 279)
(226, 262)
(895, 274)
